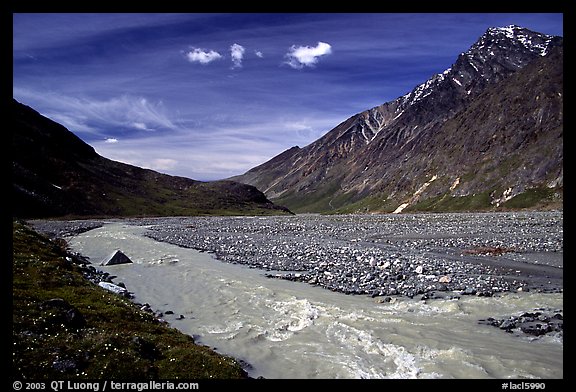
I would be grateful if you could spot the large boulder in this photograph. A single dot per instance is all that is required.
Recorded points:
(117, 257)
(114, 288)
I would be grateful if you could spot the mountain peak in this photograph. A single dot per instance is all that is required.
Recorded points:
(509, 30)
(499, 52)
(515, 36)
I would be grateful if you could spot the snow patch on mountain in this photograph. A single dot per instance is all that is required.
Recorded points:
(424, 89)
(534, 42)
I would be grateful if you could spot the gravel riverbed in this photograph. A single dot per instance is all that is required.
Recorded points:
(427, 255)
(383, 255)
(422, 256)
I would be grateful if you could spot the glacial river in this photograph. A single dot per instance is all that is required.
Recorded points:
(286, 329)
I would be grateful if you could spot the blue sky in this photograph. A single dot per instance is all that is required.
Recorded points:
(209, 96)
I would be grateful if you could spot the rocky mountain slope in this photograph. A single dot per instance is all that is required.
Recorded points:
(484, 134)
(54, 173)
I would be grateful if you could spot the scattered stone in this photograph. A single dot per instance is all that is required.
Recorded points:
(350, 254)
(539, 323)
(246, 365)
(469, 291)
(59, 229)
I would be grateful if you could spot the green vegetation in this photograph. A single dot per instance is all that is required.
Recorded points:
(314, 201)
(532, 198)
(350, 203)
(64, 326)
(538, 198)
(199, 199)
(448, 203)
(376, 203)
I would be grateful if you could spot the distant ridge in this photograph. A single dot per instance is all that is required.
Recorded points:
(485, 134)
(56, 174)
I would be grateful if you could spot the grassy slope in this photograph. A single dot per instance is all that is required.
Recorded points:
(532, 199)
(116, 340)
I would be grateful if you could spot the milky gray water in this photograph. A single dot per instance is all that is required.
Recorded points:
(286, 329)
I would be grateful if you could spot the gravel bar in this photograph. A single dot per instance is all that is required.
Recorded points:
(427, 255)
(432, 255)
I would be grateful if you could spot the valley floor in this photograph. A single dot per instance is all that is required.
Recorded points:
(431, 288)
(380, 255)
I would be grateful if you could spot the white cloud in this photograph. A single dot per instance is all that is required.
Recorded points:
(140, 125)
(111, 140)
(258, 53)
(237, 54)
(197, 55)
(307, 56)
(91, 116)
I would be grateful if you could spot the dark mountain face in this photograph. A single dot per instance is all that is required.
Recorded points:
(484, 132)
(54, 173)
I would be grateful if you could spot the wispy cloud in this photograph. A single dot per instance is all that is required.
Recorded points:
(259, 54)
(198, 55)
(307, 56)
(217, 151)
(192, 156)
(140, 125)
(237, 54)
(111, 140)
(93, 116)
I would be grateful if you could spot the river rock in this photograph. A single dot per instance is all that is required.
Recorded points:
(531, 323)
(445, 279)
(113, 288)
(117, 257)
